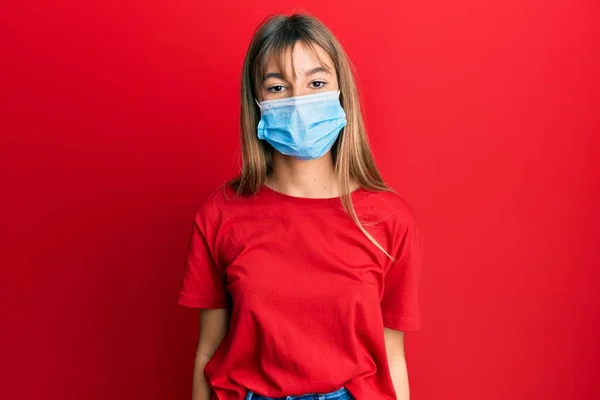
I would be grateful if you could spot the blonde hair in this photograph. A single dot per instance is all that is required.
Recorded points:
(351, 153)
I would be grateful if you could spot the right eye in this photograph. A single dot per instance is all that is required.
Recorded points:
(276, 88)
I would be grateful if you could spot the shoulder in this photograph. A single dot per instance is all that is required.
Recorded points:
(393, 215)
(389, 206)
(217, 204)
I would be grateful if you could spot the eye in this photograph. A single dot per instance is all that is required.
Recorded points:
(320, 84)
(276, 88)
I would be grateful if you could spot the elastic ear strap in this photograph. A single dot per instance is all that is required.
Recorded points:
(257, 103)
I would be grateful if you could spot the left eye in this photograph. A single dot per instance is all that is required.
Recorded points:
(320, 84)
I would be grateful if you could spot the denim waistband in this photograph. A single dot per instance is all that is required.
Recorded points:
(340, 394)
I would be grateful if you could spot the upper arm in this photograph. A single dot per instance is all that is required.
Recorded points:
(394, 343)
(214, 323)
(204, 283)
(400, 300)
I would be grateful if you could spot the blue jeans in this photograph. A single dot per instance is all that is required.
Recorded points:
(340, 394)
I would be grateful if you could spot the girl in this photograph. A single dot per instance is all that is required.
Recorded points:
(305, 268)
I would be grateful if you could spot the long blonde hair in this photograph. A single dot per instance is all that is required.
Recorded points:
(351, 153)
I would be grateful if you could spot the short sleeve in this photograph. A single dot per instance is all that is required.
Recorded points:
(400, 301)
(203, 282)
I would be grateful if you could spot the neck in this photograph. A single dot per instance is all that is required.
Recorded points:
(304, 178)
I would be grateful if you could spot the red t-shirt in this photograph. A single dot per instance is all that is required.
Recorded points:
(308, 293)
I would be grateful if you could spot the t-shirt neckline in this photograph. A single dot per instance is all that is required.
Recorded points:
(272, 194)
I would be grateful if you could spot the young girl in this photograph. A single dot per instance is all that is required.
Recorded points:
(305, 268)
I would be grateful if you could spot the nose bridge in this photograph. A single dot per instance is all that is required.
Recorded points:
(299, 90)
(298, 87)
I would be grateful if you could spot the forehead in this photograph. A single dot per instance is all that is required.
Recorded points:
(295, 59)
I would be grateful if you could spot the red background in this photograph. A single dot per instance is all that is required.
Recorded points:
(118, 117)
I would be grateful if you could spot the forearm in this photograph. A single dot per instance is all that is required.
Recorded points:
(213, 328)
(399, 374)
(200, 389)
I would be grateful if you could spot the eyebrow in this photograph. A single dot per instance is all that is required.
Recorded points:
(308, 73)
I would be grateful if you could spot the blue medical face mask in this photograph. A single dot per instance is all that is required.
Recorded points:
(305, 127)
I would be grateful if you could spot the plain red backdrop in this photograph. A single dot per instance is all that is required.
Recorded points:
(118, 117)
